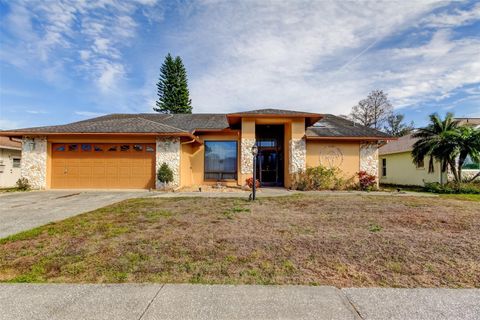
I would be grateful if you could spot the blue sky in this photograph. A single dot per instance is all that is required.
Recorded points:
(62, 61)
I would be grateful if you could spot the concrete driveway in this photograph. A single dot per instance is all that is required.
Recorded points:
(22, 211)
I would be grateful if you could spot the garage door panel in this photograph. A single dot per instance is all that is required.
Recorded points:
(98, 168)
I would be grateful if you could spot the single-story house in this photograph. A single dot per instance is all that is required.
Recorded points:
(10, 161)
(126, 150)
(396, 163)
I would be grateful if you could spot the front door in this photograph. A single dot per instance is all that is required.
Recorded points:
(270, 154)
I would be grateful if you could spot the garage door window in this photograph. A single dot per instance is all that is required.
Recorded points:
(112, 148)
(72, 147)
(124, 147)
(149, 149)
(86, 147)
(60, 148)
(137, 147)
(98, 148)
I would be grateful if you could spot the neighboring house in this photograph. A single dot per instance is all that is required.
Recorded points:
(126, 150)
(396, 163)
(10, 156)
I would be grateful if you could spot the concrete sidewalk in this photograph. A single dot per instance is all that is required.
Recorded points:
(183, 301)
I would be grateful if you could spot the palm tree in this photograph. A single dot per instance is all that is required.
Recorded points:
(438, 141)
(469, 145)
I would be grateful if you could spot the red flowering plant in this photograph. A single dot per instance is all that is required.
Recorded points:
(366, 181)
(249, 182)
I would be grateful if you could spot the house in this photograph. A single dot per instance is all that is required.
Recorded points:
(10, 161)
(126, 150)
(396, 163)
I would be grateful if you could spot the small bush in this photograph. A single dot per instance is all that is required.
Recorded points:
(165, 174)
(366, 181)
(249, 182)
(23, 184)
(320, 178)
(453, 188)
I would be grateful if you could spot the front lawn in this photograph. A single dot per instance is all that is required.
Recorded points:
(343, 240)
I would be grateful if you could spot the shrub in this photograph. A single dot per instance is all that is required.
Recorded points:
(452, 187)
(366, 181)
(23, 184)
(165, 174)
(249, 182)
(320, 178)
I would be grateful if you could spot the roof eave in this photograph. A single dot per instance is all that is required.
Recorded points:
(362, 138)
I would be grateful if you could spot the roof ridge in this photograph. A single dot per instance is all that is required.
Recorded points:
(160, 123)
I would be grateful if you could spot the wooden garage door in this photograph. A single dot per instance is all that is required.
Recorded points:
(101, 165)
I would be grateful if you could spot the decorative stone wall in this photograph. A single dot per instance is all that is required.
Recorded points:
(168, 151)
(369, 158)
(297, 155)
(34, 161)
(246, 157)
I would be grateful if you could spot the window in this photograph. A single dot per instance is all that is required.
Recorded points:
(149, 149)
(124, 147)
(470, 164)
(16, 163)
(72, 147)
(98, 148)
(112, 148)
(137, 147)
(86, 147)
(60, 148)
(384, 167)
(421, 165)
(220, 160)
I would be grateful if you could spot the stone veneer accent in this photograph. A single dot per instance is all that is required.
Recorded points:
(369, 158)
(168, 151)
(246, 157)
(297, 155)
(34, 161)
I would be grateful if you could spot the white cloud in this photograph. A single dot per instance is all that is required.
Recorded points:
(320, 56)
(54, 34)
(458, 18)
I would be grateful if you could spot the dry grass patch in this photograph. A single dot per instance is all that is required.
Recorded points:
(302, 239)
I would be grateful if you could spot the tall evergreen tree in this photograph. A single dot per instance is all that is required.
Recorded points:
(173, 94)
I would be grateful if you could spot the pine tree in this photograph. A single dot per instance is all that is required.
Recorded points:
(172, 87)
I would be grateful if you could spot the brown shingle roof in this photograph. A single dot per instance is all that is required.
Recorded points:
(329, 126)
(333, 126)
(273, 112)
(403, 144)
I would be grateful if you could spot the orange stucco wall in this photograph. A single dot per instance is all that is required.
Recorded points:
(344, 155)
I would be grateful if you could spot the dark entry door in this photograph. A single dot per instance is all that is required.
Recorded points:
(270, 154)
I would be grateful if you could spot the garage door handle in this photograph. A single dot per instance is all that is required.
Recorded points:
(65, 171)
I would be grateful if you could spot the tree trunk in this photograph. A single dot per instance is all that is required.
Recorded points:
(461, 161)
(454, 169)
